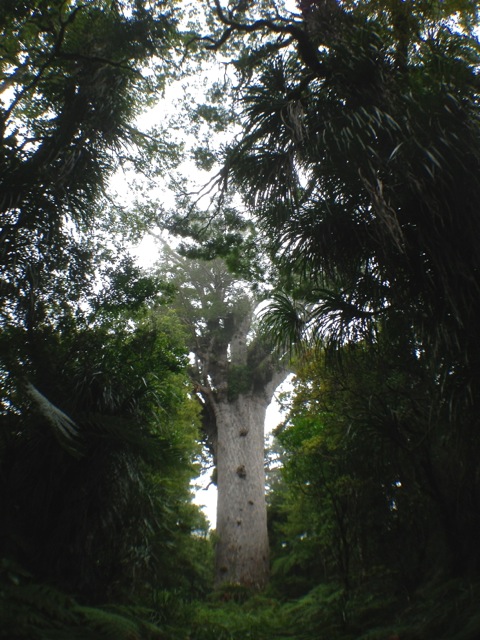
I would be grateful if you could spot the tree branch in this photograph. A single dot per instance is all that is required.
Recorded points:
(306, 49)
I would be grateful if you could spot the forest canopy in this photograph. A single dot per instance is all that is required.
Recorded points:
(340, 149)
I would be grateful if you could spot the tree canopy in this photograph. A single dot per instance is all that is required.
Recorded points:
(340, 141)
(72, 79)
(351, 161)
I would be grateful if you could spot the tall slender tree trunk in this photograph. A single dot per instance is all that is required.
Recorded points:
(242, 554)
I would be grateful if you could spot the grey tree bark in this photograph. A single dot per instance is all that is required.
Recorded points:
(235, 376)
(242, 553)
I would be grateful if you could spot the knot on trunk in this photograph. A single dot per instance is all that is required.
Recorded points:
(241, 472)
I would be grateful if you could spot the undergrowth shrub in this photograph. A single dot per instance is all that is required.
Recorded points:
(33, 611)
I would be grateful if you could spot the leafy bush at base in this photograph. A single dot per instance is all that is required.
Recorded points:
(444, 610)
(39, 612)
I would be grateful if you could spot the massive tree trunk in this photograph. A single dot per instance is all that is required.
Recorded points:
(235, 376)
(242, 554)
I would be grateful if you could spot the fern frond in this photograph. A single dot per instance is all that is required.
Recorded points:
(39, 612)
(110, 625)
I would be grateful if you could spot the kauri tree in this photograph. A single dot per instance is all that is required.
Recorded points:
(234, 376)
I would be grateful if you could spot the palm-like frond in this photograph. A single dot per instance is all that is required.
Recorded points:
(63, 424)
(285, 321)
(377, 182)
(334, 318)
